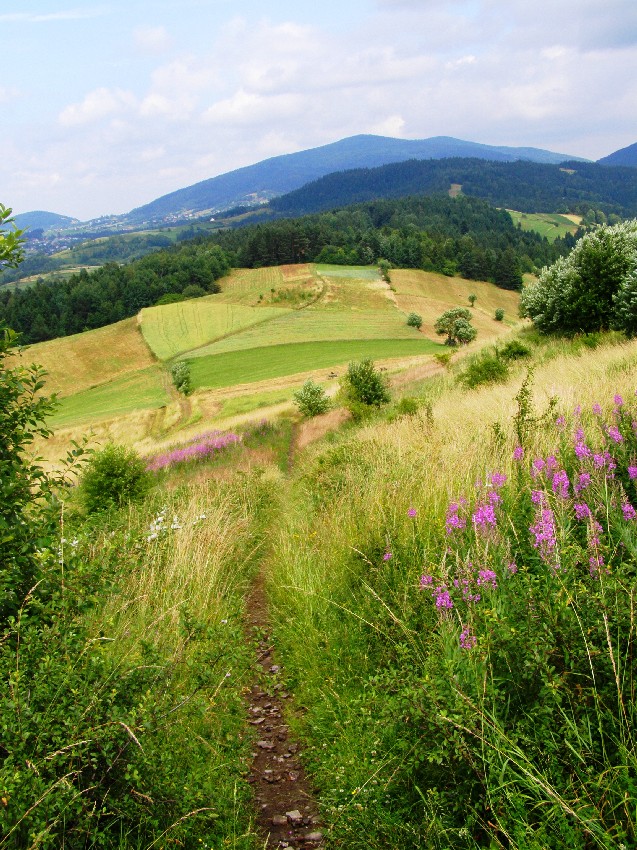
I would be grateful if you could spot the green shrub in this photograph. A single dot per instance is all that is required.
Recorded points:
(364, 385)
(169, 298)
(193, 290)
(485, 370)
(514, 350)
(311, 399)
(472, 299)
(113, 477)
(414, 321)
(180, 373)
(499, 314)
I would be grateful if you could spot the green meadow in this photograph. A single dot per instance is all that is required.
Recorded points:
(276, 361)
(550, 225)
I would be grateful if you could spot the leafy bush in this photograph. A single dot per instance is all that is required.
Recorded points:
(514, 350)
(472, 299)
(311, 399)
(180, 373)
(499, 314)
(591, 289)
(113, 477)
(363, 387)
(414, 320)
(486, 369)
(456, 324)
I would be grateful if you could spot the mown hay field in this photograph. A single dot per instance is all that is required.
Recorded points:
(75, 363)
(176, 328)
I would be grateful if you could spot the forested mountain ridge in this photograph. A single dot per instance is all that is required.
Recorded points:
(281, 174)
(525, 186)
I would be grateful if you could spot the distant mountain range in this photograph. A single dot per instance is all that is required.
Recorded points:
(263, 181)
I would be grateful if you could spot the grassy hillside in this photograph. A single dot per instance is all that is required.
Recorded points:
(249, 347)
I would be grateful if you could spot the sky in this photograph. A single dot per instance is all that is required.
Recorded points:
(106, 105)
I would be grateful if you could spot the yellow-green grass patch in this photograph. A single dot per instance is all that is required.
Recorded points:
(75, 363)
(240, 404)
(315, 324)
(142, 390)
(430, 295)
(260, 364)
(551, 225)
(175, 328)
(355, 272)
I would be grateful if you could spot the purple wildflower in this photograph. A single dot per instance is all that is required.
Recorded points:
(494, 498)
(582, 511)
(578, 410)
(618, 400)
(387, 556)
(632, 472)
(454, 522)
(583, 481)
(538, 497)
(426, 581)
(411, 512)
(443, 600)
(498, 479)
(628, 511)
(487, 577)
(512, 567)
(484, 517)
(537, 466)
(518, 453)
(596, 562)
(467, 639)
(597, 409)
(561, 484)
(582, 450)
(614, 433)
(544, 533)
(560, 422)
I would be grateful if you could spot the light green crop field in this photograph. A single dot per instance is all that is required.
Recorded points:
(316, 324)
(276, 361)
(142, 390)
(354, 272)
(176, 328)
(550, 225)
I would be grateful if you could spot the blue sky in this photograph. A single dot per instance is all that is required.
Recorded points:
(108, 104)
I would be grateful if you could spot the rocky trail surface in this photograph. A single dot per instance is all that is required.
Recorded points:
(287, 813)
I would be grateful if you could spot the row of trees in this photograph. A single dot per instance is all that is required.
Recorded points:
(463, 236)
(111, 293)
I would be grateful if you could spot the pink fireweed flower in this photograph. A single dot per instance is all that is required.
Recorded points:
(551, 463)
(494, 498)
(632, 472)
(628, 511)
(582, 511)
(580, 435)
(582, 450)
(560, 422)
(596, 562)
(583, 481)
(454, 522)
(443, 600)
(387, 556)
(561, 484)
(411, 512)
(537, 466)
(618, 400)
(512, 567)
(614, 434)
(487, 577)
(467, 639)
(426, 581)
(597, 409)
(498, 479)
(544, 534)
(578, 410)
(484, 518)
(538, 497)
(518, 453)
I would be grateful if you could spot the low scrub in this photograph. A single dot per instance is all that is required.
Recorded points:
(486, 369)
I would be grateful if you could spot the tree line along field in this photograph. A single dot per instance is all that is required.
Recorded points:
(264, 331)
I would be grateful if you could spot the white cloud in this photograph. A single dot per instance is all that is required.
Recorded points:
(33, 18)
(96, 105)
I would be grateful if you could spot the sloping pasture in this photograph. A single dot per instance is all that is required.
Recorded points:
(176, 328)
